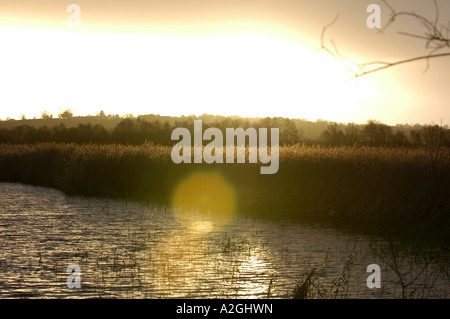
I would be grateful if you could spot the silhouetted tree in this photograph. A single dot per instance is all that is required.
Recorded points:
(67, 114)
(400, 139)
(377, 133)
(433, 135)
(101, 114)
(352, 133)
(289, 133)
(333, 135)
(45, 115)
(416, 137)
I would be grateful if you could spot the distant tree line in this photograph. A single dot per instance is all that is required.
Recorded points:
(135, 131)
(375, 133)
(46, 115)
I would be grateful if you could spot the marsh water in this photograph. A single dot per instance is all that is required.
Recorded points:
(134, 250)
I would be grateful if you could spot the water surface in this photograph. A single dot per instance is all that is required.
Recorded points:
(133, 250)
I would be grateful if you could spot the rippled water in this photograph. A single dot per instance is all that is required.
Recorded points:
(131, 250)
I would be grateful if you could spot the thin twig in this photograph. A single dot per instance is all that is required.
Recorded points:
(434, 37)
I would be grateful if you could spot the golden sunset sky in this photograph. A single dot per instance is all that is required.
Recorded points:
(227, 57)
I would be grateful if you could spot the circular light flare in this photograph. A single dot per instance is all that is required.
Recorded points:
(204, 192)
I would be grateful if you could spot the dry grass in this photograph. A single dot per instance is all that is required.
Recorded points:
(370, 184)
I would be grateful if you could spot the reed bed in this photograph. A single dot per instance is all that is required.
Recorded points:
(344, 184)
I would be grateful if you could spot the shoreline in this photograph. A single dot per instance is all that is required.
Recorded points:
(362, 188)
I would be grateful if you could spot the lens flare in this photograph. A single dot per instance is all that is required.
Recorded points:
(205, 192)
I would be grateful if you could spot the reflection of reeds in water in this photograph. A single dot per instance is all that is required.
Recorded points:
(309, 286)
(417, 271)
(409, 272)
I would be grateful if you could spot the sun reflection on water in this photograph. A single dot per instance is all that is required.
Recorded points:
(206, 192)
(130, 250)
(195, 261)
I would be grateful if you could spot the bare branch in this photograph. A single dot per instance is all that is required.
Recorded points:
(436, 37)
(436, 7)
(334, 53)
(391, 64)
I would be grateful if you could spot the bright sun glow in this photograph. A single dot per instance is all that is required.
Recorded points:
(247, 75)
(205, 191)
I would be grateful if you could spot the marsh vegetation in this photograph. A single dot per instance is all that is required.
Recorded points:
(147, 227)
(344, 184)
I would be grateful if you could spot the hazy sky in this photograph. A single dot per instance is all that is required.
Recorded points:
(243, 57)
